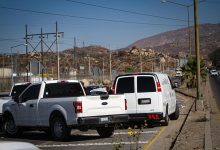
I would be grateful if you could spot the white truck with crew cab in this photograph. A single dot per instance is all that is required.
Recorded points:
(59, 106)
(150, 97)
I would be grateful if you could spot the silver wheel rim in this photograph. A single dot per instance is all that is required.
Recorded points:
(10, 127)
(58, 128)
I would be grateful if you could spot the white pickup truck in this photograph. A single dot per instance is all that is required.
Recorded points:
(16, 90)
(59, 106)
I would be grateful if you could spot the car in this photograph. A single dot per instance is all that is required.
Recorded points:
(96, 90)
(176, 81)
(213, 72)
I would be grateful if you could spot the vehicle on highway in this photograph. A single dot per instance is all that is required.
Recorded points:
(96, 90)
(150, 97)
(213, 72)
(176, 81)
(15, 91)
(59, 106)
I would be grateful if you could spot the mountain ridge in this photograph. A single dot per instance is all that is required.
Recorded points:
(176, 41)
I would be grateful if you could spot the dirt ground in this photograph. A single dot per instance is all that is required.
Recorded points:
(201, 130)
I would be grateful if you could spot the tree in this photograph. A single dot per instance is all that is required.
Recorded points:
(215, 58)
(189, 70)
(129, 69)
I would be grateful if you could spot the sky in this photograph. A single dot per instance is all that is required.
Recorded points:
(112, 24)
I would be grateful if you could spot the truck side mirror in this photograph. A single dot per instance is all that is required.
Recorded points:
(16, 98)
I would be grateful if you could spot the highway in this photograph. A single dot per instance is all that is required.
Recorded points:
(215, 86)
(90, 140)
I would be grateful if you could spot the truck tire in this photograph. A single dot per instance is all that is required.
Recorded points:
(176, 114)
(9, 127)
(59, 129)
(166, 118)
(105, 131)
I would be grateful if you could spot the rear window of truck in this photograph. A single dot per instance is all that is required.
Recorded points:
(125, 85)
(57, 90)
(145, 84)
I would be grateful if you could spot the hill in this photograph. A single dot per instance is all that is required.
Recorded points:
(176, 41)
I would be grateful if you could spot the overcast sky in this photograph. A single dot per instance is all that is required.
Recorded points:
(109, 23)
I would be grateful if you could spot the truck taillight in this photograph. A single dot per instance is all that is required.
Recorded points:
(126, 104)
(78, 107)
(158, 87)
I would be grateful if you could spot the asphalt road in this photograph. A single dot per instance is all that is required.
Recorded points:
(90, 140)
(215, 85)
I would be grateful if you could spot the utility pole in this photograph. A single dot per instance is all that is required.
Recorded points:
(110, 64)
(26, 42)
(42, 54)
(89, 66)
(187, 7)
(198, 100)
(74, 49)
(103, 69)
(140, 59)
(58, 54)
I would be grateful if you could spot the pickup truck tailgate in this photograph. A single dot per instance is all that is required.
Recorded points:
(102, 105)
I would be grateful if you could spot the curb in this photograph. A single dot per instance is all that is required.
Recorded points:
(208, 138)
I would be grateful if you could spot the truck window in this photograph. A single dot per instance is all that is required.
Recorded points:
(57, 90)
(145, 84)
(125, 85)
(31, 93)
(18, 89)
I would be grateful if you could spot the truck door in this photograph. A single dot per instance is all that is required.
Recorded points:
(146, 94)
(28, 106)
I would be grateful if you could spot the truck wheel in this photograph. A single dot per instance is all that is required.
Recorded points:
(166, 118)
(176, 114)
(10, 129)
(59, 129)
(105, 131)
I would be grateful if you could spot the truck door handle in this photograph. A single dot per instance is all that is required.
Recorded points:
(104, 103)
(31, 105)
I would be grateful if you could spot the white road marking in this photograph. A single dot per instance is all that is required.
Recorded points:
(120, 133)
(91, 144)
(101, 143)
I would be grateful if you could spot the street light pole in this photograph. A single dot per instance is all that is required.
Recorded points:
(189, 33)
(12, 64)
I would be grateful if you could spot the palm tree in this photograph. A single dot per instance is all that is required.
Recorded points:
(189, 70)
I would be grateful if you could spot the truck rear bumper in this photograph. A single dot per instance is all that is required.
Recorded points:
(103, 120)
(157, 116)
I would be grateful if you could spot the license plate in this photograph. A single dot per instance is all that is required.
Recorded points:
(104, 119)
(144, 101)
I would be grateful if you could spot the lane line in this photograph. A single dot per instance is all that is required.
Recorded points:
(148, 145)
(90, 144)
(101, 143)
(120, 133)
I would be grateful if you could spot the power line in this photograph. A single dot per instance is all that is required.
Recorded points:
(87, 18)
(126, 11)
(15, 40)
